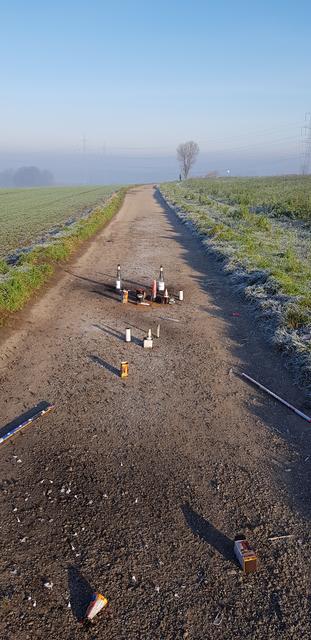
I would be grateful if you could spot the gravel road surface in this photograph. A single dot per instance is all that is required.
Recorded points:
(136, 488)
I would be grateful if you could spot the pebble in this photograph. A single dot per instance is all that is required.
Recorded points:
(48, 585)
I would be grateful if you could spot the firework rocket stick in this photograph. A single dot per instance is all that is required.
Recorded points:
(25, 423)
(290, 406)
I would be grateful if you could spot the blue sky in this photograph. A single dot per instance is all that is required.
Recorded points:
(138, 77)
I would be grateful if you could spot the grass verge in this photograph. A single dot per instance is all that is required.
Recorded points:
(18, 283)
(268, 260)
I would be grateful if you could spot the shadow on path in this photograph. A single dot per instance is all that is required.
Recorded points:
(126, 281)
(21, 421)
(80, 593)
(207, 532)
(105, 365)
(117, 334)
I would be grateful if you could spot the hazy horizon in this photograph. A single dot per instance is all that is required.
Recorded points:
(78, 168)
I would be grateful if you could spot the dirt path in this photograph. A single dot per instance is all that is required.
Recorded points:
(137, 488)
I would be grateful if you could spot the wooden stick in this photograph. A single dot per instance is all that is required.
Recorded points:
(290, 406)
(25, 423)
(288, 535)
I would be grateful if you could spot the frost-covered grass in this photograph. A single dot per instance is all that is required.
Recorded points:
(279, 196)
(269, 258)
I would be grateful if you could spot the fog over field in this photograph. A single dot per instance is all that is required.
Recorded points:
(111, 167)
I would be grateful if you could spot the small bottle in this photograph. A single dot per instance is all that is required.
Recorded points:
(166, 296)
(161, 283)
(118, 280)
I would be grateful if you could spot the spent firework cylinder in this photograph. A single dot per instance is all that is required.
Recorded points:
(125, 296)
(154, 290)
(140, 295)
(98, 602)
(180, 295)
(124, 369)
(148, 341)
(245, 555)
(158, 331)
(128, 335)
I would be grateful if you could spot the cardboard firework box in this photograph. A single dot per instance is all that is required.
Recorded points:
(124, 369)
(245, 555)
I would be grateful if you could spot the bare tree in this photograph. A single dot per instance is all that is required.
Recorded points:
(187, 154)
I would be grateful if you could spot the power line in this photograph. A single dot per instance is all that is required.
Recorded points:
(264, 144)
(254, 133)
(306, 142)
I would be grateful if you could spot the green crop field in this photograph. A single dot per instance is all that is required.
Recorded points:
(27, 214)
(31, 269)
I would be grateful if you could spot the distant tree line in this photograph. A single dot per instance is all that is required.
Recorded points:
(26, 177)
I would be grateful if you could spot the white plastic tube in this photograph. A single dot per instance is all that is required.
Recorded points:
(274, 395)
